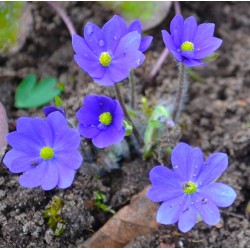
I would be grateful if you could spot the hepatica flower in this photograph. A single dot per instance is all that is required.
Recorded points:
(189, 191)
(189, 42)
(45, 151)
(108, 54)
(101, 119)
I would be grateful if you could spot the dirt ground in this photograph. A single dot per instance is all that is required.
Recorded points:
(216, 117)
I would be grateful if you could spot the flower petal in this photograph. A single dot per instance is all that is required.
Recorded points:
(118, 116)
(161, 175)
(65, 176)
(81, 48)
(108, 137)
(50, 178)
(180, 160)
(25, 126)
(66, 139)
(56, 120)
(17, 161)
(221, 195)
(99, 104)
(145, 43)
(69, 159)
(169, 211)
(88, 116)
(189, 29)
(93, 38)
(193, 62)
(33, 177)
(123, 64)
(24, 163)
(209, 213)
(203, 32)
(188, 54)
(43, 130)
(23, 143)
(194, 165)
(135, 26)
(93, 68)
(169, 43)
(105, 80)
(188, 215)
(88, 131)
(129, 42)
(113, 31)
(159, 193)
(176, 27)
(207, 47)
(214, 166)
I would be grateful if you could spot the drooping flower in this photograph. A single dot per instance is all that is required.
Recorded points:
(109, 54)
(101, 119)
(189, 42)
(190, 190)
(46, 151)
(49, 109)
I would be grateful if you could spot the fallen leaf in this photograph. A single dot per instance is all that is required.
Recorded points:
(135, 219)
(15, 24)
(3, 130)
(150, 13)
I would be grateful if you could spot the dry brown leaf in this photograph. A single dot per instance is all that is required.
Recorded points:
(135, 219)
(3, 130)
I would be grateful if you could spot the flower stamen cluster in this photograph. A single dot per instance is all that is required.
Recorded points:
(105, 59)
(105, 118)
(187, 46)
(189, 187)
(47, 153)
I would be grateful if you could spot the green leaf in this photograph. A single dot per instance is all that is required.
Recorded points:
(30, 94)
(15, 22)
(58, 101)
(150, 13)
(152, 134)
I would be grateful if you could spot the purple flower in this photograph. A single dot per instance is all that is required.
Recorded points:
(101, 118)
(190, 190)
(190, 43)
(49, 109)
(108, 54)
(46, 151)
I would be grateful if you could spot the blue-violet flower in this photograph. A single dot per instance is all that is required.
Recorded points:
(190, 43)
(46, 151)
(49, 109)
(189, 191)
(101, 118)
(108, 54)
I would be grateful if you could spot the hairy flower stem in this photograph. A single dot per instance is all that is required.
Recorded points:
(181, 91)
(132, 87)
(120, 99)
(64, 16)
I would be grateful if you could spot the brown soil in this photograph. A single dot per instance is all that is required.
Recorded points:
(216, 118)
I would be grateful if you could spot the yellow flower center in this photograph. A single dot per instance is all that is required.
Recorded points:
(105, 118)
(187, 46)
(46, 153)
(105, 59)
(189, 188)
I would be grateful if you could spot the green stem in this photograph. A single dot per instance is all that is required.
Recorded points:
(132, 85)
(120, 99)
(180, 93)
